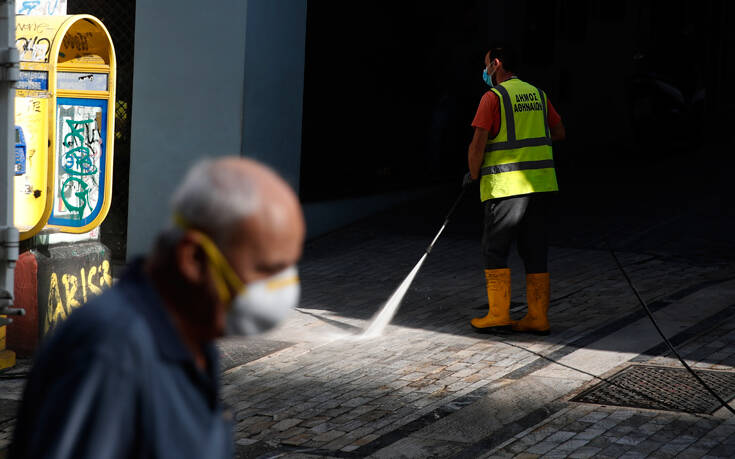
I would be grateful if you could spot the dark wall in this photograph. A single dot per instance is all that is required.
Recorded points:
(391, 88)
(390, 91)
(119, 18)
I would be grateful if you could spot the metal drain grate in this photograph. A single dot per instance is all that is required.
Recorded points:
(661, 388)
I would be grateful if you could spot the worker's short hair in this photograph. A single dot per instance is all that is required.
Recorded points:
(505, 54)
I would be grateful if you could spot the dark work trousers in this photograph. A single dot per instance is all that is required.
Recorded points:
(521, 219)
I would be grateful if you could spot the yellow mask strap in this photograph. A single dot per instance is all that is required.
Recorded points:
(227, 275)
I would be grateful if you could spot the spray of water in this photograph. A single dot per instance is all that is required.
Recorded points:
(386, 313)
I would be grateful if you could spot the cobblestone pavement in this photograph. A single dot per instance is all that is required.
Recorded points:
(431, 387)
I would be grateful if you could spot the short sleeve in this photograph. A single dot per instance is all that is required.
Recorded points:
(488, 114)
(552, 116)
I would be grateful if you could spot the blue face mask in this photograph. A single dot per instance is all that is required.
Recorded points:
(487, 78)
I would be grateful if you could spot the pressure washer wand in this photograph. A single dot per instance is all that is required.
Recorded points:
(386, 313)
(660, 332)
(446, 220)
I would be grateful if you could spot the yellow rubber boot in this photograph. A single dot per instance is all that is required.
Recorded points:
(537, 294)
(498, 299)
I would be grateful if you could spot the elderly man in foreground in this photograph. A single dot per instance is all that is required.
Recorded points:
(134, 372)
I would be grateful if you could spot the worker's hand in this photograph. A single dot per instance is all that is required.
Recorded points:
(467, 180)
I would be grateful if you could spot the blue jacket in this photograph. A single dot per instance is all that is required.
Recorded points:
(115, 381)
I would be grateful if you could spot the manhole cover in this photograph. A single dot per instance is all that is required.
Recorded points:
(661, 388)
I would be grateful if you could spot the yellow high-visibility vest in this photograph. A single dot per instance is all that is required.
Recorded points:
(519, 159)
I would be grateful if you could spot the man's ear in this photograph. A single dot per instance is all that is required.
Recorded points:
(497, 64)
(191, 259)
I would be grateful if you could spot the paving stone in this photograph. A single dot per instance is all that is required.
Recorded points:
(328, 436)
(585, 452)
(555, 454)
(663, 419)
(649, 429)
(257, 428)
(322, 428)
(613, 451)
(576, 426)
(632, 438)
(315, 421)
(707, 442)
(560, 437)
(607, 423)
(292, 432)
(589, 433)
(721, 451)
(632, 455)
(517, 446)
(692, 453)
(352, 425)
(647, 446)
(621, 430)
(672, 448)
(339, 443)
(542, 447)
(571, 445)
(361, 442)
(373, 415)
(621, 415)
(299, 439)
(684, 439)
(286, 424)
(601, 442)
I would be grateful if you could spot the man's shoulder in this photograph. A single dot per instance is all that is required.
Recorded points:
(490, 98)
(107, 325)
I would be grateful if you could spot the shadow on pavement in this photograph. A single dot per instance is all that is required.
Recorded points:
(674, 241)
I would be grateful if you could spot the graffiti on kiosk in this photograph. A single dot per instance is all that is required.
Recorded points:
(79, 160)
(68, 291)
(41, 7)
(33, 49)
(33, 40)
(27, 7)
(78, 41)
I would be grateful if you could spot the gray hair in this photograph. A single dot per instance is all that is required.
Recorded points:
(212, 198)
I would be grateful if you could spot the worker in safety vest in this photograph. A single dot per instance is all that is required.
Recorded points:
(511, 155)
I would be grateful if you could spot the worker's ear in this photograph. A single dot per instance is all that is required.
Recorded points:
(191, 259)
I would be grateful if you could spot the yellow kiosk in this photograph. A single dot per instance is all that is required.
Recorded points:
(64, 116)
(64, 134)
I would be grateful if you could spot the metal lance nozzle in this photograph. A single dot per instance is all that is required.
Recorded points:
(446, 220)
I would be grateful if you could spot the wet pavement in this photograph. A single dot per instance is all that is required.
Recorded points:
(432, 387)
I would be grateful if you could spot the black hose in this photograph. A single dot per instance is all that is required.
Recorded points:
(446, 220)
(660, 332)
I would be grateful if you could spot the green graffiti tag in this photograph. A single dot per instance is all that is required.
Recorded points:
(81, 195)
(77, 163)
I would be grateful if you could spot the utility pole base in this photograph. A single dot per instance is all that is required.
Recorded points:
(50, 283)
(7, 359)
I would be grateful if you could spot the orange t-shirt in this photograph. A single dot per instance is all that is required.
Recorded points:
(488, 114)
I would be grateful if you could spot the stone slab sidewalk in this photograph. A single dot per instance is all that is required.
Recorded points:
(432, 387)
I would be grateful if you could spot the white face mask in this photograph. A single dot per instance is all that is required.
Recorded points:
(258, 306)
(262, 305)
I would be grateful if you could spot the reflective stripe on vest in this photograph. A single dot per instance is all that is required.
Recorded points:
(519, 159)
